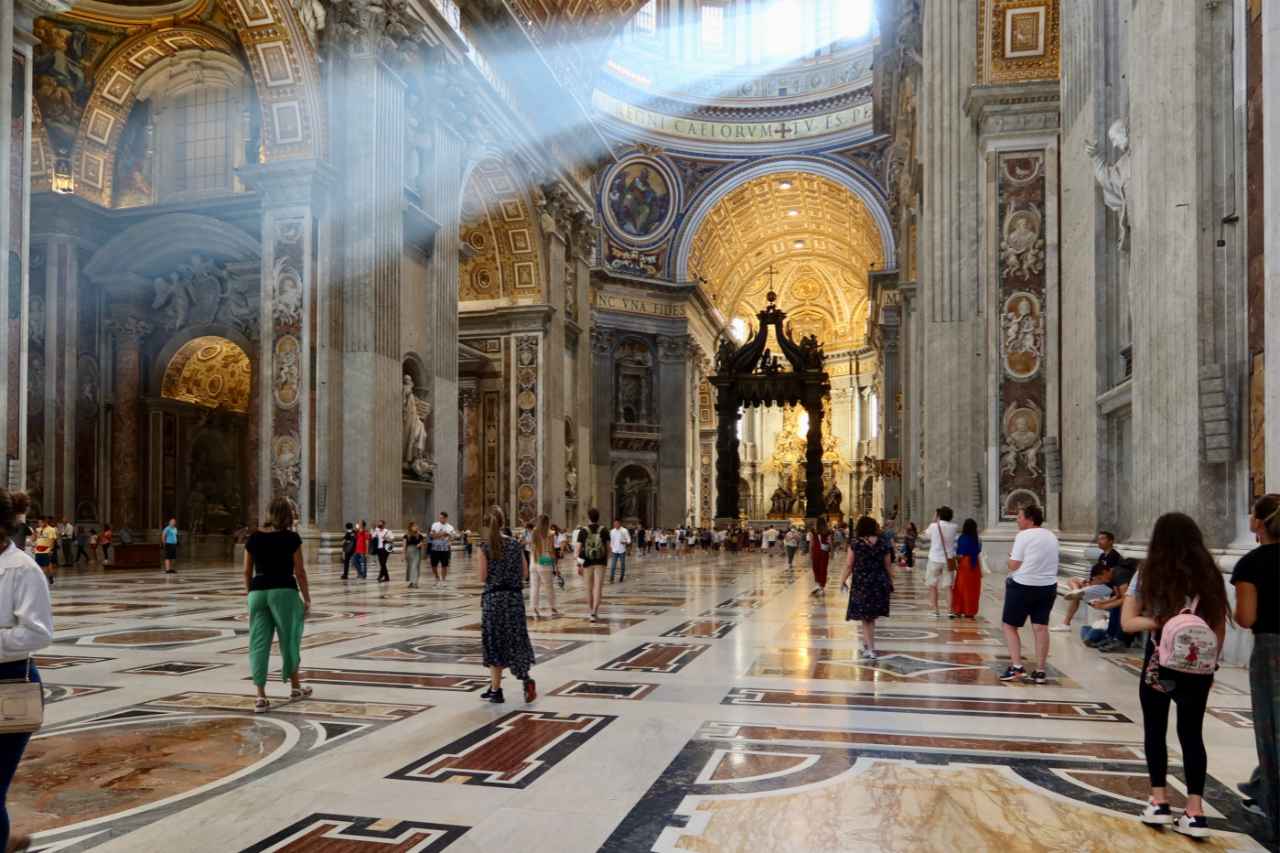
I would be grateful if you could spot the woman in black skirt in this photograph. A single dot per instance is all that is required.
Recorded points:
(503, 629)
(870, 565)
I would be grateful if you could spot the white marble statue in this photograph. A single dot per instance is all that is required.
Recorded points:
(415, 412)
(311, 15)
(1114, 179)
(1022, 446)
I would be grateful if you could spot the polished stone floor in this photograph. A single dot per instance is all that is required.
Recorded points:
(717, 707)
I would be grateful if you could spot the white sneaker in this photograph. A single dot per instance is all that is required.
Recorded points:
(817, 590)
(1058, 629)
(1196, 827)
(1157, 814)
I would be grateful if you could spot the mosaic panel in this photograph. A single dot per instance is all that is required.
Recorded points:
(655, 657)
(332, 833)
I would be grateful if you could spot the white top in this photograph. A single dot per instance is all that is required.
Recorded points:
(949, 532)
(771, 536)
(25, 610)
(440, 535)
(1037, 549)
(619, 539)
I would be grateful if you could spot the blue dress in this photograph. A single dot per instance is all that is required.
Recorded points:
(870, 585)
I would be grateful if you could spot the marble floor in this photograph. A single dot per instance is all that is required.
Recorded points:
(717, 707)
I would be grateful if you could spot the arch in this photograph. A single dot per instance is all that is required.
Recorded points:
(502, 240)
(159, 243)
(211, 372)
(413, 366)
(94, 149)
(635, 489)
(865, 189)
(183, 338)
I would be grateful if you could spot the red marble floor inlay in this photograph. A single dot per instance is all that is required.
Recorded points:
(655, 657)
(511, 752)
(328, 833)
(905, 703)
(706, 629)
(604, 690)
(410, 680)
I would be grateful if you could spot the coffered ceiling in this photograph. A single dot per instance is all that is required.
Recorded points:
(817, 237)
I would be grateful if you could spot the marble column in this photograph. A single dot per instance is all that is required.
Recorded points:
(471, 471)
(292, 196)
(600, 405)
(554, 448)
(953, 391)
(449, 144)
(672, 397)
(1271, 238)
(127, 333)
(728, 464)
(372, 133)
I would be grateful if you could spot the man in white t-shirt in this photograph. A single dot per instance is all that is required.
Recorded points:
(942, 548)
(619, 539)
(440, 547)
(1030, 591)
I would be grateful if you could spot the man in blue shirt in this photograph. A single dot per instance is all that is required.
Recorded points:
(170, 538)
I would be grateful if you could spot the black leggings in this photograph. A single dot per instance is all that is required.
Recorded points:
(382, 566)
(1191, 695)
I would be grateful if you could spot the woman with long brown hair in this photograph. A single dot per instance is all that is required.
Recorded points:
(503, 630)
(1179, 575)
(27, 611)
(275, 580)
(542, 555)
(1257, 581)
(414, 542)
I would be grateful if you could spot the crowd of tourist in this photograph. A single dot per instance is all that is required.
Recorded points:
(1174, 602)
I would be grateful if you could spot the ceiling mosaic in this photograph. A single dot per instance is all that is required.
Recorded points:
(817, 237)
(501, 256)
(210, 372)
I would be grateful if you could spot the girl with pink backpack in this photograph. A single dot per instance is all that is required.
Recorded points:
(1179, 597)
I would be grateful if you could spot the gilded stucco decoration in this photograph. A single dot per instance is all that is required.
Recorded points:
(817, 237)
(502, 256)
(210, 372)
(1018, 40)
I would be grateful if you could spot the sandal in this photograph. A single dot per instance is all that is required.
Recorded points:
(300, 693)
(261, 704)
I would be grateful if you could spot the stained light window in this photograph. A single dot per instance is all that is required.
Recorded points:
(646, 20)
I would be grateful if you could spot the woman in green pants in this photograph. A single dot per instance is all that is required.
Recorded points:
(279, 599)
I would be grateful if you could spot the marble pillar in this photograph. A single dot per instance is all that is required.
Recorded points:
(600, 403)
(446, 205)
(292, 196)
(670, 389)
(1271, 239)
(1186, 317)
(472, 468)
(372, 235)
(554, 449)
(953, 388)
(127, 333)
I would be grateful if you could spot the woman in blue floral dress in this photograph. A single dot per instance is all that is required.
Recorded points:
(870, 567)
(504, 632)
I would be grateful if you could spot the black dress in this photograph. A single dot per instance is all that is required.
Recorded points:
(502, 623)
(870, 584)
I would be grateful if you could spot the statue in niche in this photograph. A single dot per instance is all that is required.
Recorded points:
(782, 500)
(833, 498)
(571, 479)
(629, 497)
(415, 412)
(1114, 179)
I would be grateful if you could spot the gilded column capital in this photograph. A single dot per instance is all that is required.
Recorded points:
(673, 349)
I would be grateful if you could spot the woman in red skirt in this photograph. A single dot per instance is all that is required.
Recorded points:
(967, 588)
(819, 555)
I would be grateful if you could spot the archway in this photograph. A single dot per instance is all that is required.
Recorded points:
(197, 444)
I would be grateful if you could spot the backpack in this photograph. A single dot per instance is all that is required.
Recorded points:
(1188, 644)
(594, 547)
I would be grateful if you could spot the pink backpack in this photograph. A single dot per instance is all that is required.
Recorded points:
(1188, 644)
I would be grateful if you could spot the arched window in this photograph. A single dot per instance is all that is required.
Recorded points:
(645, 23)
(199, 103)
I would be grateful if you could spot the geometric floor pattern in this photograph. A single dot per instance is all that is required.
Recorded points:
(716, 706)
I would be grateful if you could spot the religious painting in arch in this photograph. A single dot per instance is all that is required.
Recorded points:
(638, 200)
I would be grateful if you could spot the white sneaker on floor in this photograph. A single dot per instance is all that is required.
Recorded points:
(817, 590)
(1157, 814)
(1058, 629)
(1196, 827)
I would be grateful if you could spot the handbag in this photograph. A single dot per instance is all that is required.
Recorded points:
(953, 564)
(21, 705)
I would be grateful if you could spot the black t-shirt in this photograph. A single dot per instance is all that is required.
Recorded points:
(604, 541)
(272, 552)
(1261, 567)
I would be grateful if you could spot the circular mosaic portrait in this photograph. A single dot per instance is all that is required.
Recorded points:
(640, 201)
